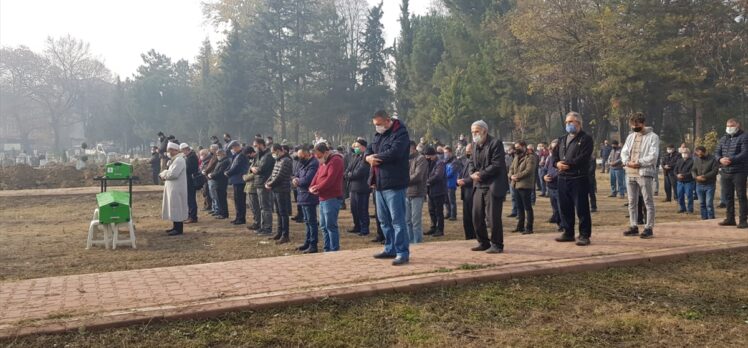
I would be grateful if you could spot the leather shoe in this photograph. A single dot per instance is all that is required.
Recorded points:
(283, 240)
(302, 247)
(399, 261)
(384, 256)
(494, 250)
(565, 239)
(727, 223)
(583, 241)
(480, 247)
(310, 250)
(743, 224)
(175, 233)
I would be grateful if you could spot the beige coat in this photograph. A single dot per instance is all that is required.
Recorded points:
(174, 206)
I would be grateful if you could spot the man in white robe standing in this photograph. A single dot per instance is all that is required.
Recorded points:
(174, 206)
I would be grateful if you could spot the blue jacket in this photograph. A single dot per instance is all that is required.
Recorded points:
(393, 148)
(551, 171)
(734, 147)
(305, 175)
(437, 180)
(454, 167)
(239, 167)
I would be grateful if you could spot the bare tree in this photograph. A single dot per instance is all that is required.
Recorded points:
(21, 73)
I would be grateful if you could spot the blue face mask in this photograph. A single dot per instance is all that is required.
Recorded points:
(571, 128)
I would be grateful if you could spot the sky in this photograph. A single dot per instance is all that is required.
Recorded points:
(118, 31)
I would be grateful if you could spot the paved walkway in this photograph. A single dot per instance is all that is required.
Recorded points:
(119, 298)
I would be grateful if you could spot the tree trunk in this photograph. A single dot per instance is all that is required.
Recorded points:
(698, 120)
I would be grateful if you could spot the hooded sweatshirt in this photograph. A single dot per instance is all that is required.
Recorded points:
(329, 178)
(649, 150)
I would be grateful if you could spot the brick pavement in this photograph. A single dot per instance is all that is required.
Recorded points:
(56, 304)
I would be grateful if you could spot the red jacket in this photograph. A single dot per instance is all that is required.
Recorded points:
(329, 178)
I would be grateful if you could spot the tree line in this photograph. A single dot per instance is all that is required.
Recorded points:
(292, 67)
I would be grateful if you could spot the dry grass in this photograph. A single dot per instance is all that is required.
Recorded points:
(45, 236)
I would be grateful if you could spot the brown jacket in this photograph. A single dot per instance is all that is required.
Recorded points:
(525, 168)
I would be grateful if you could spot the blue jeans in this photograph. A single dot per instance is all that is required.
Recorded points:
(213, 188)
(391, 213)
(706, 199)
(513, 192)
(328, 221)
(310, 219)
(617, 182)
(413, 217)
(685, 191)
(452, 202)
(543, 184)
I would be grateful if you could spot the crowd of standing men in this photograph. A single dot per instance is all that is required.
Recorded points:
(401, 175)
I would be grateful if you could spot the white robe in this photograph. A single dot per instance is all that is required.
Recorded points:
(174, 206)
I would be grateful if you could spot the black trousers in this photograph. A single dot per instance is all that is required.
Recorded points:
(154, 174)
(467, 213)
(360, 211)
(223, 205)
(283, 202)
(191, 201)
(487, 212)
(593, 192)
(178, 226)
(240, 202)
(671, 185)
(732, 183)
(525, 214)
(573, 194)
(207, 200)
(436, 212)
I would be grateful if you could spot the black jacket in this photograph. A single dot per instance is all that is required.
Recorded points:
(734, 147)
(488, 162)
(280, 179)
(670, 159)
(218, 174)
(436, 184)
(684, 166)
(577, 154)
(706, 167)
(192, 167)
(155, 162)
(357, 175)
(393, 148)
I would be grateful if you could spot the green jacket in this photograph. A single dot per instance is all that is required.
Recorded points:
(525, 168)
(706, 167)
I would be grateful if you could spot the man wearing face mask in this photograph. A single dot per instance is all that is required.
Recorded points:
(615, 168)
(328, 185)
(705, 173)
(436, 186)
(686, 186)
(732, 154)
(308, 201)
(551, 180)
(174, 207)
(466, 192)
(490, 185)
(522, 175)
(418, 174)
(453, 167)
(668, 168)
(572, 159)
(357, 176)
(221, 183)
(239, 167)
(388, 157)
(262, 168)
(280, 183)
(227, 141)
(639, 154)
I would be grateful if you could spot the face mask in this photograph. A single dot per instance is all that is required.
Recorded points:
(275, 155)
(477, 138)
(685, 155)
(637, 129)
(381, 129)
(571, 128)
(356, 150)
(731, 130)
(670, 150)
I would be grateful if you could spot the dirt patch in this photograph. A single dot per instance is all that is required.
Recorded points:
(23, 177)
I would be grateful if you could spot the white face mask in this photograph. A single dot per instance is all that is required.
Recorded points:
(670, 150)
(477, 138)
(685, 155)
(381, 129)
(731, 130)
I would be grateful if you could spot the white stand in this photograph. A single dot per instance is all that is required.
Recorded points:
(110, 233)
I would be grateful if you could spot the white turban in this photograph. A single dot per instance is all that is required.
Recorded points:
(480, 123)
(172, 146)
(184, 146)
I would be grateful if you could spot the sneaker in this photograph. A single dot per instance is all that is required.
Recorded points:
(310, 250)
(727, 223)
(494, 250)
(527, 232)
(438, 234)
(283, 240)
(743, 224)
(302, 247)
(583, 241)
(512, 215)
(647, 234)
(632, 231)
(480, 247)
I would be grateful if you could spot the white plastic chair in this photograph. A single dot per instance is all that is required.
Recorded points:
(96, 226)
